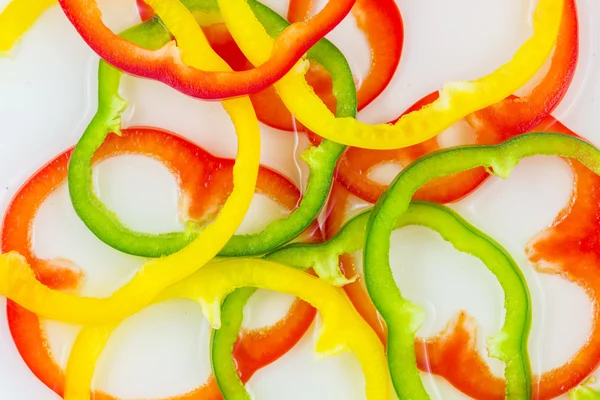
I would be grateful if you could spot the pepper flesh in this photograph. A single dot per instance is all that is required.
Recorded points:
(169, 65)
(456, 99)
(185, 160)
(512, 116)
(342, 328)
(106, 225)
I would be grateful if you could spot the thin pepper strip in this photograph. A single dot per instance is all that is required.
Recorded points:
(402, 317)
(456, 99)
(342, 328)
(512, 116)
(106, 225)
(169, 65)
(568, 248)
(156, 275)
(350, 238)
(192, 166)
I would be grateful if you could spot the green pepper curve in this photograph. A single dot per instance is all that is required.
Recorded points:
(321, 160)
(402, 317)
(453, 228)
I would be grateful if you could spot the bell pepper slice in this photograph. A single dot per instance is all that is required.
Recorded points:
(456, 99)
(185, 160)
(512, 116)
(350, 238)
(402, 317)
(106, 225)
(342, 328)
(170, 66)
(567, 248)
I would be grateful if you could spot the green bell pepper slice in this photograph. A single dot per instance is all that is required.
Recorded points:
(321, 160)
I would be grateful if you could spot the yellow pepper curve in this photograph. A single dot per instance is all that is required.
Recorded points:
(343, 328)
(158, 274)
(457, 99)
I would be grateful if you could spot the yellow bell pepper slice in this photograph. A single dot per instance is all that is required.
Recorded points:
(158, 274)
(457, 99)
(343, 328)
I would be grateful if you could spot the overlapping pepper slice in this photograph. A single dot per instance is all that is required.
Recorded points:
(191, 166)
(568, 248)
(456, 99)
(342, 328)
(350, 238)
(106, 225)
(168, 65)
(401, 316)
(512, 116)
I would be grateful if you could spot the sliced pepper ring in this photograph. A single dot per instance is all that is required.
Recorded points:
(169, 65)
(342, 328)
(185, 160)
(456, 99)
(106, 225)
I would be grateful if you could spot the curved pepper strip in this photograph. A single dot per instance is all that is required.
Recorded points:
(456, 99)
(350, 238)
(512, 116)
(106, 225)
(381, 23)
(569, 249)
(342, 328)
(156, 275)
(168, 65)
(185, 160)
(403, 318)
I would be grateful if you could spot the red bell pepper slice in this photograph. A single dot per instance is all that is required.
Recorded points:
(511, 117)
(192, 166)
(165, 64)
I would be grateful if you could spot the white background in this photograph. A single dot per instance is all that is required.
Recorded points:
(48, 95)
